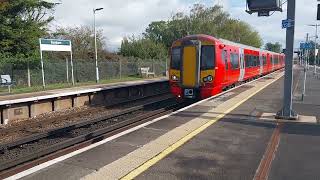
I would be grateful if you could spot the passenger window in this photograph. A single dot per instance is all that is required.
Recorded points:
(234, 61)
(207, 57)
(225, 58)
(247, 60)
(176, 58)
(251, 61)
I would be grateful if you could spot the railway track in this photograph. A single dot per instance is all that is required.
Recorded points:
(41, 147)
(36, 126)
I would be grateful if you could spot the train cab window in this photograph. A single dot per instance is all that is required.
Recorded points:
(225, 58)
(234, 61)
(176, 58)
(207, 57)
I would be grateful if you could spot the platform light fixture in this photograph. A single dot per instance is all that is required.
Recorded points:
(263, 8)
(95, 42)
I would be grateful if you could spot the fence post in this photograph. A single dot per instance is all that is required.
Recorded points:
(120, 68)
(153, 70)
(67, 66)
(167, 67)
(29, 76)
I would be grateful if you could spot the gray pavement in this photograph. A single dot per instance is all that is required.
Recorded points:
(234, 147)
(298, 156)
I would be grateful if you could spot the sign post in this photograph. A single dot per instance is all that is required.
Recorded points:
(55, 45)
(287, 111)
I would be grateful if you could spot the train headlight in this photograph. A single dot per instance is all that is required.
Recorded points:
(208, 79)
(174, 78)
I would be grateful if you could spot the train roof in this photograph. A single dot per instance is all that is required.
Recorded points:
(228, 42)
(244, 46)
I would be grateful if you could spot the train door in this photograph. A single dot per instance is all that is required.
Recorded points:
(261, 63)
(190, 73)
(272, 62)
(226, 65)
(242, 66)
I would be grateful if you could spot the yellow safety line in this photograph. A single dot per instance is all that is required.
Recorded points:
(182, 141)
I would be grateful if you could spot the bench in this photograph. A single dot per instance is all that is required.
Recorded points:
(145, 72)
(5, 80)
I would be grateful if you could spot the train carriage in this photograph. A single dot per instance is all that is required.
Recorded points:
(202, 66)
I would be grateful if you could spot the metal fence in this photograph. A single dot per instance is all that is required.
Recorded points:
(60, 72)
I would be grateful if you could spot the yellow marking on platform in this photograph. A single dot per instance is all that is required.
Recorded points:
(188, 137)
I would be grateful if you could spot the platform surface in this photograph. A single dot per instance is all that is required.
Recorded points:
(221, 138)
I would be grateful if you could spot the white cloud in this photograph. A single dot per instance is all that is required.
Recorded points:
(126, 17)
(119, 18)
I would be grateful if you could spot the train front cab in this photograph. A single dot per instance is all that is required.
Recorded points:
(192, 68)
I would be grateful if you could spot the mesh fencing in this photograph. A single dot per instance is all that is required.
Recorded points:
(84, 72)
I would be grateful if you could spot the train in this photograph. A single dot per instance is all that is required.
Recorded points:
(202, 66)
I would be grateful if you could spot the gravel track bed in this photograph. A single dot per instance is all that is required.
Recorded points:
(60, 119)
(32, 147)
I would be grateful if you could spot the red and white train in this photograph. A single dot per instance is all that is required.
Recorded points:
(202, 66)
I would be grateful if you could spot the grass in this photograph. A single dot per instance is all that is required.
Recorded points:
(20, 90)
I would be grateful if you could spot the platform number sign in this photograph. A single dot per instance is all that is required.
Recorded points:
(287, 23)
(306, 46)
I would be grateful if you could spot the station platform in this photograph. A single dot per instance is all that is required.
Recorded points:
(21, 107)
(73, 90)
(231, 136)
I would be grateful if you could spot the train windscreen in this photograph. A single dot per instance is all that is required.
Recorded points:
(176, 58)
(207, 57)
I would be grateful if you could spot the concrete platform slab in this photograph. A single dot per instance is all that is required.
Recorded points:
(61, 171)
(139, 137)
(62, 104)
(41, 108)
(301, 118)
(100, 156)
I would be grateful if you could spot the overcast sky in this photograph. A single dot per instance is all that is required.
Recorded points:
(126, 17)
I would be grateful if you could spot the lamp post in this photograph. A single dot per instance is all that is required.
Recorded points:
(95, 42)
(315, 46)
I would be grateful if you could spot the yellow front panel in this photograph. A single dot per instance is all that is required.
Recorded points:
(206, 73)
(174, 72)
(189, 66)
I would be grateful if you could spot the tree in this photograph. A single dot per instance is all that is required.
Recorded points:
(274, 47)
(203, 20)
(143, 48)
(82, 39)
(22, 23)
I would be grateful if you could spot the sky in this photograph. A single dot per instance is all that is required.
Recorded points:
(121, 18)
